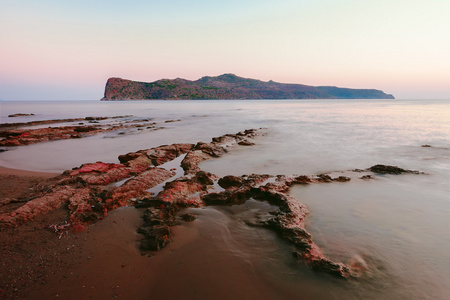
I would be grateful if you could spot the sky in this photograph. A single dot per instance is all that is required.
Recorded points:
(66, 50)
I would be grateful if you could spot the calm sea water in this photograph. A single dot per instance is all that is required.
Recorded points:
(399, 225)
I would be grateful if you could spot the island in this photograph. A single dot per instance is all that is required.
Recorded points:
(226, 87)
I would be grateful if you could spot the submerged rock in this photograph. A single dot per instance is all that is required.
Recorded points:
(386, 169)
(324, 178)
(302, 179)
(188, 217)
(20, 115)
(246, 143)
(342, 179)
(288, 223)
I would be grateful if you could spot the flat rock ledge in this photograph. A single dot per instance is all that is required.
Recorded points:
(14, 135)
(93, 189)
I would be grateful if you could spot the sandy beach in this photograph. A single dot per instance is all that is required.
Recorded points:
(29, 253)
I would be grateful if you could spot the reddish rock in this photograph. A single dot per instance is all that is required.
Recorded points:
(42, 122)
(110, 176)
(302, 179)
(85, 129)
(130, 156)
(139, 164)
(98, 167)
(137, 186)
(324, 178)
(231, 181)
(246, 143)
(213, 149)
(225, 139)
(204, 178)
(85, 206)
(98, 173)
(163, 154)
(192, 160)
(181, 192)
(290, 226)
(281, 187)
(11, 133)
(19, 137)
(255, 180)
(342, 179)
(155, 156)
(85, 189)
(38, 206)
(325, 265)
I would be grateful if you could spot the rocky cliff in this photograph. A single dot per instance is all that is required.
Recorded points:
(228, 86)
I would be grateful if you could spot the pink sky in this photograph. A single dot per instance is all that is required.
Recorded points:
(53, 50)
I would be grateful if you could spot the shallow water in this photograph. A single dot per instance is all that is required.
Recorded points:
(399, 225)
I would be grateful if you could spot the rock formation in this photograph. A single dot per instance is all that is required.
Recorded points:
(93, 189)
(12, 134)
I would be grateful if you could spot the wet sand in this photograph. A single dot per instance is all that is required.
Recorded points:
(104, 262)
(110, 266)
(28, 253)
(16, 183)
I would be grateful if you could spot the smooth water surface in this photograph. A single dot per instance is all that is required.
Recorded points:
(398, 225)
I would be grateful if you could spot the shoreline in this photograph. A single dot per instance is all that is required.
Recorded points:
(100, 229)
(20, 172)
(17, 183)
(104, 260)
(91, 257)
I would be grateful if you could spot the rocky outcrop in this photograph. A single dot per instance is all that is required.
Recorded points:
(386, 169)
(289, 224)
(93, 189)
(13, 134)
(157, 156)
(156, 228)
(216, 148)
(20, 115)
(229, 86)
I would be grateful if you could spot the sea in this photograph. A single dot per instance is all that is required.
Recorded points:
(398, 226)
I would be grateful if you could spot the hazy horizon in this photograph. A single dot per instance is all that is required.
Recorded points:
(53, 50)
